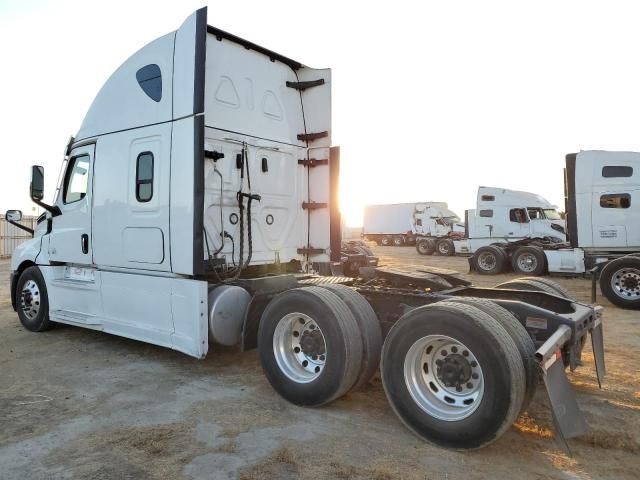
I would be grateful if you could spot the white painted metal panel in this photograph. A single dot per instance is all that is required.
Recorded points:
(184, 68)
(182, 196)
(317, 104)
(117, 210)
(245, 92)
(122, 104)
(165, 311)
(278, 221)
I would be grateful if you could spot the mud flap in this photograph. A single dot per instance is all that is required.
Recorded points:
(597, 344)
(566, 413)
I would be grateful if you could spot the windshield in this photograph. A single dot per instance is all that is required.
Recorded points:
(552, 214)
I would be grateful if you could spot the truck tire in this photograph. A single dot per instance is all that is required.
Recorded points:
(527, 284)
(32, 301)
(520, 337)
(620, 281)
(445, 248)
(560, 290)
(370, 330)
(385, 241)
(426, 246)
(424, 361)
(529, 260)
(310, 346)
(489, 260)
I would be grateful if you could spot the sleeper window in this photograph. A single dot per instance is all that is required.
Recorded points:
(150, 80)
(486, 213)
(144, 177)
(617, 171)
(76, 179)
(615, 200)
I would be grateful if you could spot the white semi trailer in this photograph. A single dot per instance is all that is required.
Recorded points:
(602, 202)
(195, 199)
(406, 223)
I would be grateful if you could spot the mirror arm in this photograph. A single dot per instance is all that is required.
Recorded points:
(55, 211)
(20, 226)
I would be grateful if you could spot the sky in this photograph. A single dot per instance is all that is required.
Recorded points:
(430, 99)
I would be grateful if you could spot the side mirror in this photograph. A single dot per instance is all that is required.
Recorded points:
(37, 183)
(13, 215)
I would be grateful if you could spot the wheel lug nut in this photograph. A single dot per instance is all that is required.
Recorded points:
(443, 353)
(314, 357)
(296, 333)
(465, 353)
(322, 357)
(296, 349)
(469, 385)
(454, 349)
(474, 376)
(305, 363)
(474, 364)
(458, 388)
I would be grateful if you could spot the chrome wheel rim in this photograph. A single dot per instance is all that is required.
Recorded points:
(487, 261)
(626, 283)
(299, 347)
(443, 377)
(443, 248)
(423, 247)
(527, 262)
(30, 299)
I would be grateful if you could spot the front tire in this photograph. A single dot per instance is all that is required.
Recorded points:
(453, 375)
(32, 301)
(310, 346)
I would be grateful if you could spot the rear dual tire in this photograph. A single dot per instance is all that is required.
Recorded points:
(445, 247)
(620, 281)
(426, 246)
(489, 260)
(445, 336)
(317, 343)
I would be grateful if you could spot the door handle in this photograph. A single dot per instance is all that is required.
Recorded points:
(84, 243)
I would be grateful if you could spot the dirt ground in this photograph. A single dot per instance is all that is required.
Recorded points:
(76, 403)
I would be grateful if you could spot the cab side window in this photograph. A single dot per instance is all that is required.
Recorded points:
(518, 215)
(76, 179)
(144, 177)
(535, 213)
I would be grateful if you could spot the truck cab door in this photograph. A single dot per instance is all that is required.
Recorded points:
(70, 237)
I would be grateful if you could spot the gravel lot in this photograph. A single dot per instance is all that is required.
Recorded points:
(80, 404)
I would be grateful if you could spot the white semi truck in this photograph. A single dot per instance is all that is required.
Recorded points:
(602, 202)
(405, 223)
(194, 201)
(500, 216)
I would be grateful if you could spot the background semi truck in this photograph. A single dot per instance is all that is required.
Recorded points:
(196, 199)
(603, 226)
(500, 216)
(404, 223)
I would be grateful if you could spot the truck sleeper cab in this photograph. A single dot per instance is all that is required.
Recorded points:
(195, 201)
(603, 218)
